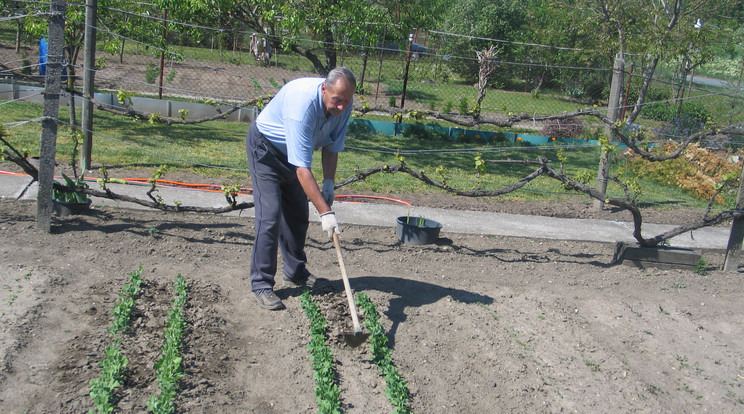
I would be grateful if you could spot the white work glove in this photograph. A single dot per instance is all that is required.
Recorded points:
(329, 193)
(329, 223)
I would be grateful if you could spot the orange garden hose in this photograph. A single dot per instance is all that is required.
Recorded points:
(213, 188)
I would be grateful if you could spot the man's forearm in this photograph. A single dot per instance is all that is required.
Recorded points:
(330, 161)
(310, 186)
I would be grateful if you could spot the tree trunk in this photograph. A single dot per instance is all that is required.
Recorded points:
(648, 74)
(18, 36)
(315, 60)
(487, 66)
(72, 53)
(89, 63)
(329, 47)
(613, 110)
(364, 70)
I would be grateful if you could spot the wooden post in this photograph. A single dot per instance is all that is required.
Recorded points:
(52, 85)
(738, 87)
(733, 248)
(613, 107)
(89, 71)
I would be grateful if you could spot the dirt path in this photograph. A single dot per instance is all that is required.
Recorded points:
(476, 324)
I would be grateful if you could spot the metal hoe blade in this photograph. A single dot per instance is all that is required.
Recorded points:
(356, 338)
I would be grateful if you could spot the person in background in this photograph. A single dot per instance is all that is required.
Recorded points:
(306, 114)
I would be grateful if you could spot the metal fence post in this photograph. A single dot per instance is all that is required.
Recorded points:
(405, 77)
(52, 85)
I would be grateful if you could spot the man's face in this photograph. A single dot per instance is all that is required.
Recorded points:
(337, 97)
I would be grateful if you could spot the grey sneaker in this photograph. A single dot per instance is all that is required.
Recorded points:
(267, 299)
(308, 281)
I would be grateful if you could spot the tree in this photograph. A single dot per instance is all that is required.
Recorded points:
(37, 25)
(316, 30)
(124, 22)
(14, 8)
(555, 40)
(487, 62)
(478, 21)
(659, 31)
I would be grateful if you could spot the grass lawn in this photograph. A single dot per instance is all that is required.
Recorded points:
(216, 150)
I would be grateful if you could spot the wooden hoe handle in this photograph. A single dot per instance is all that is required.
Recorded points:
(347, 287)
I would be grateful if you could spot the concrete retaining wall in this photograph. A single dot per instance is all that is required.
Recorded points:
(166, 108)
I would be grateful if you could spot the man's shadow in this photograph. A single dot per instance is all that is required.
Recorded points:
(408, 294)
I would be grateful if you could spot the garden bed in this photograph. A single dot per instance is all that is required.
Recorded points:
(476, 324)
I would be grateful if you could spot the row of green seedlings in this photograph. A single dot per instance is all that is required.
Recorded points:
(169, 367)
(114, 363)
(327, 391)
(396, 388)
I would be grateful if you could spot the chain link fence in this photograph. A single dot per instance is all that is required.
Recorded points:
(431, 71)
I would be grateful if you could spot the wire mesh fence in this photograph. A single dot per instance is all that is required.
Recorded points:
(431, 71)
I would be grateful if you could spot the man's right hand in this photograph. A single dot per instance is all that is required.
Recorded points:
(328, 191)
(329, 223)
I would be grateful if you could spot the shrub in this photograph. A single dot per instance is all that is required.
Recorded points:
(655, 92)
(422, 132)
(574, 90)
(463, 106)
(698, 170)
(692, 117)
(658, 111)
(151, 73)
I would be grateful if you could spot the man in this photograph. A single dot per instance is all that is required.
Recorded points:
(305, 115)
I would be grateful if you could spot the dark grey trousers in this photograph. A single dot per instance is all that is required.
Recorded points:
(282, 213)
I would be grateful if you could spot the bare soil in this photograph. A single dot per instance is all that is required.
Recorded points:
(476, 324)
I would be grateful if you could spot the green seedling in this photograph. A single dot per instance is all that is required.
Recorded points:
(124, 308)
(77, 196)
(114, 362)
(327, 391)
(169, 368)
(396, 387)
(102, 388)
(701, 267)
(591, 364)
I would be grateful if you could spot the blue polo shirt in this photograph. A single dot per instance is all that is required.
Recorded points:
(295, 123)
